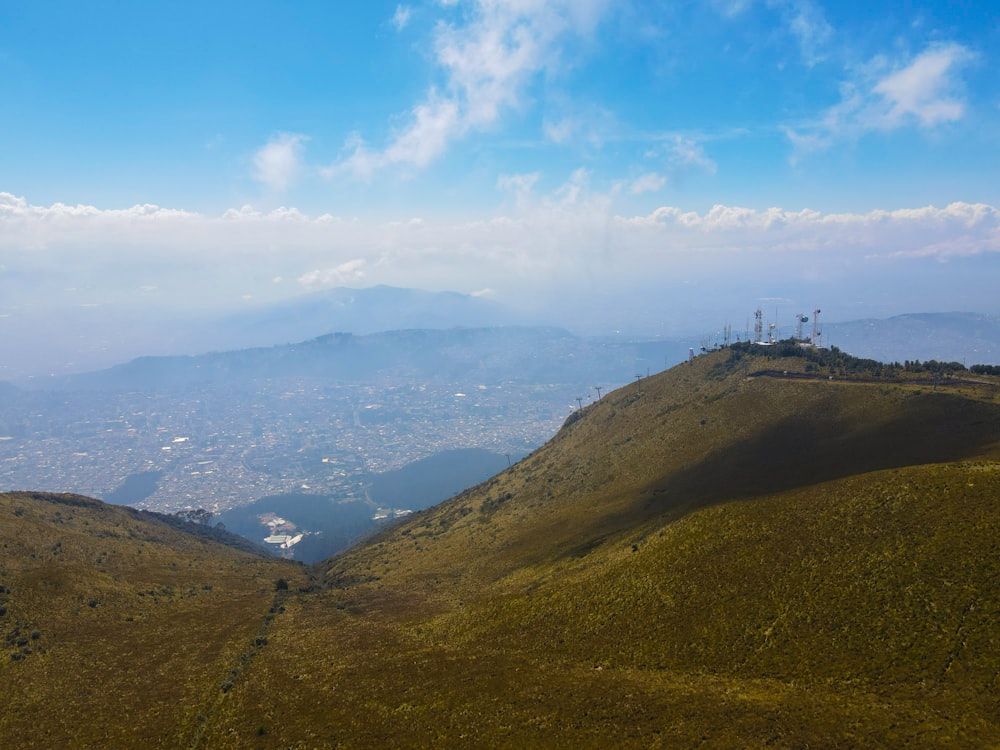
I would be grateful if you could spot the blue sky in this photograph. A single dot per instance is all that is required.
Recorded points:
(214, 154)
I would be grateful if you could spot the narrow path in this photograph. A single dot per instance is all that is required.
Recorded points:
(243, 661)
(949, 382)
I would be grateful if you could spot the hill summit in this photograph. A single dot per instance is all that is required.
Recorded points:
(762, 547)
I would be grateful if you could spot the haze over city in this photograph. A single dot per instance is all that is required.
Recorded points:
(649, 167)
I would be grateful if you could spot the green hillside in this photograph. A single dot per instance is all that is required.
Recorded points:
(743, 551)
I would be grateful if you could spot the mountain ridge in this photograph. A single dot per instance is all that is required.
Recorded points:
(711, 450)
(436, 354)
(956, 336)
(751, 549)
(970, 338)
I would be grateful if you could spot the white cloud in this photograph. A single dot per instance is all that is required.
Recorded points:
(518, 183)
(679, 154)
(805, 21)
(574, 191)
(573, 122)
(685, 152)
(560, 131)
(730, 8)
(802, 19)
(351, 272)
(15, 209)
(278, 163)
(959, 229)
(61, 229)
(925, 91)
(434, 123)
(487, 64)
(648, 183)
(401, 17)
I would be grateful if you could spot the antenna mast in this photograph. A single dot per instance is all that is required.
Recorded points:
(816, 331)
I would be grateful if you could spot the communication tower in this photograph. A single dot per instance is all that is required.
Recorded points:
(799, 320)
(816, 332)
(758, 326)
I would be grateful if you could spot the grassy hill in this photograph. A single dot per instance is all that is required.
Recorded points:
(743, 551)
(119, 628)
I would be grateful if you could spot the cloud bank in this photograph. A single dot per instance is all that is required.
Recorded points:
(547, 241)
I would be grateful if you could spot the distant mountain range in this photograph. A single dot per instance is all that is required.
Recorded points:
(969, 338)
(497, 353)
(489, 355)
(96, 338)
(358, 311)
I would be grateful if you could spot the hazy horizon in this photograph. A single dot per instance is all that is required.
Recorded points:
(600, 166)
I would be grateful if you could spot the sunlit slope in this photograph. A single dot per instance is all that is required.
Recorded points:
(711, 556)
(118, 629)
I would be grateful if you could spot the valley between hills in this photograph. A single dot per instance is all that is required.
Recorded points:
(763, 547)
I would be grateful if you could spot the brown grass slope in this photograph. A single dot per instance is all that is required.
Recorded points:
(119, 630)
(706, 557)
(723, 555)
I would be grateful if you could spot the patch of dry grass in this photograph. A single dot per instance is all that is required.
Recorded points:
(131, 625)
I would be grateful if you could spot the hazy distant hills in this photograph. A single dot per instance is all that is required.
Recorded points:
(93, 338)
(749, 550)
(98, 337)
(523, 353)
(969, 338)
(489, 355)
(359, 311)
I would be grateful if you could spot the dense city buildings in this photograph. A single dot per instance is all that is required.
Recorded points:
(218, 446)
